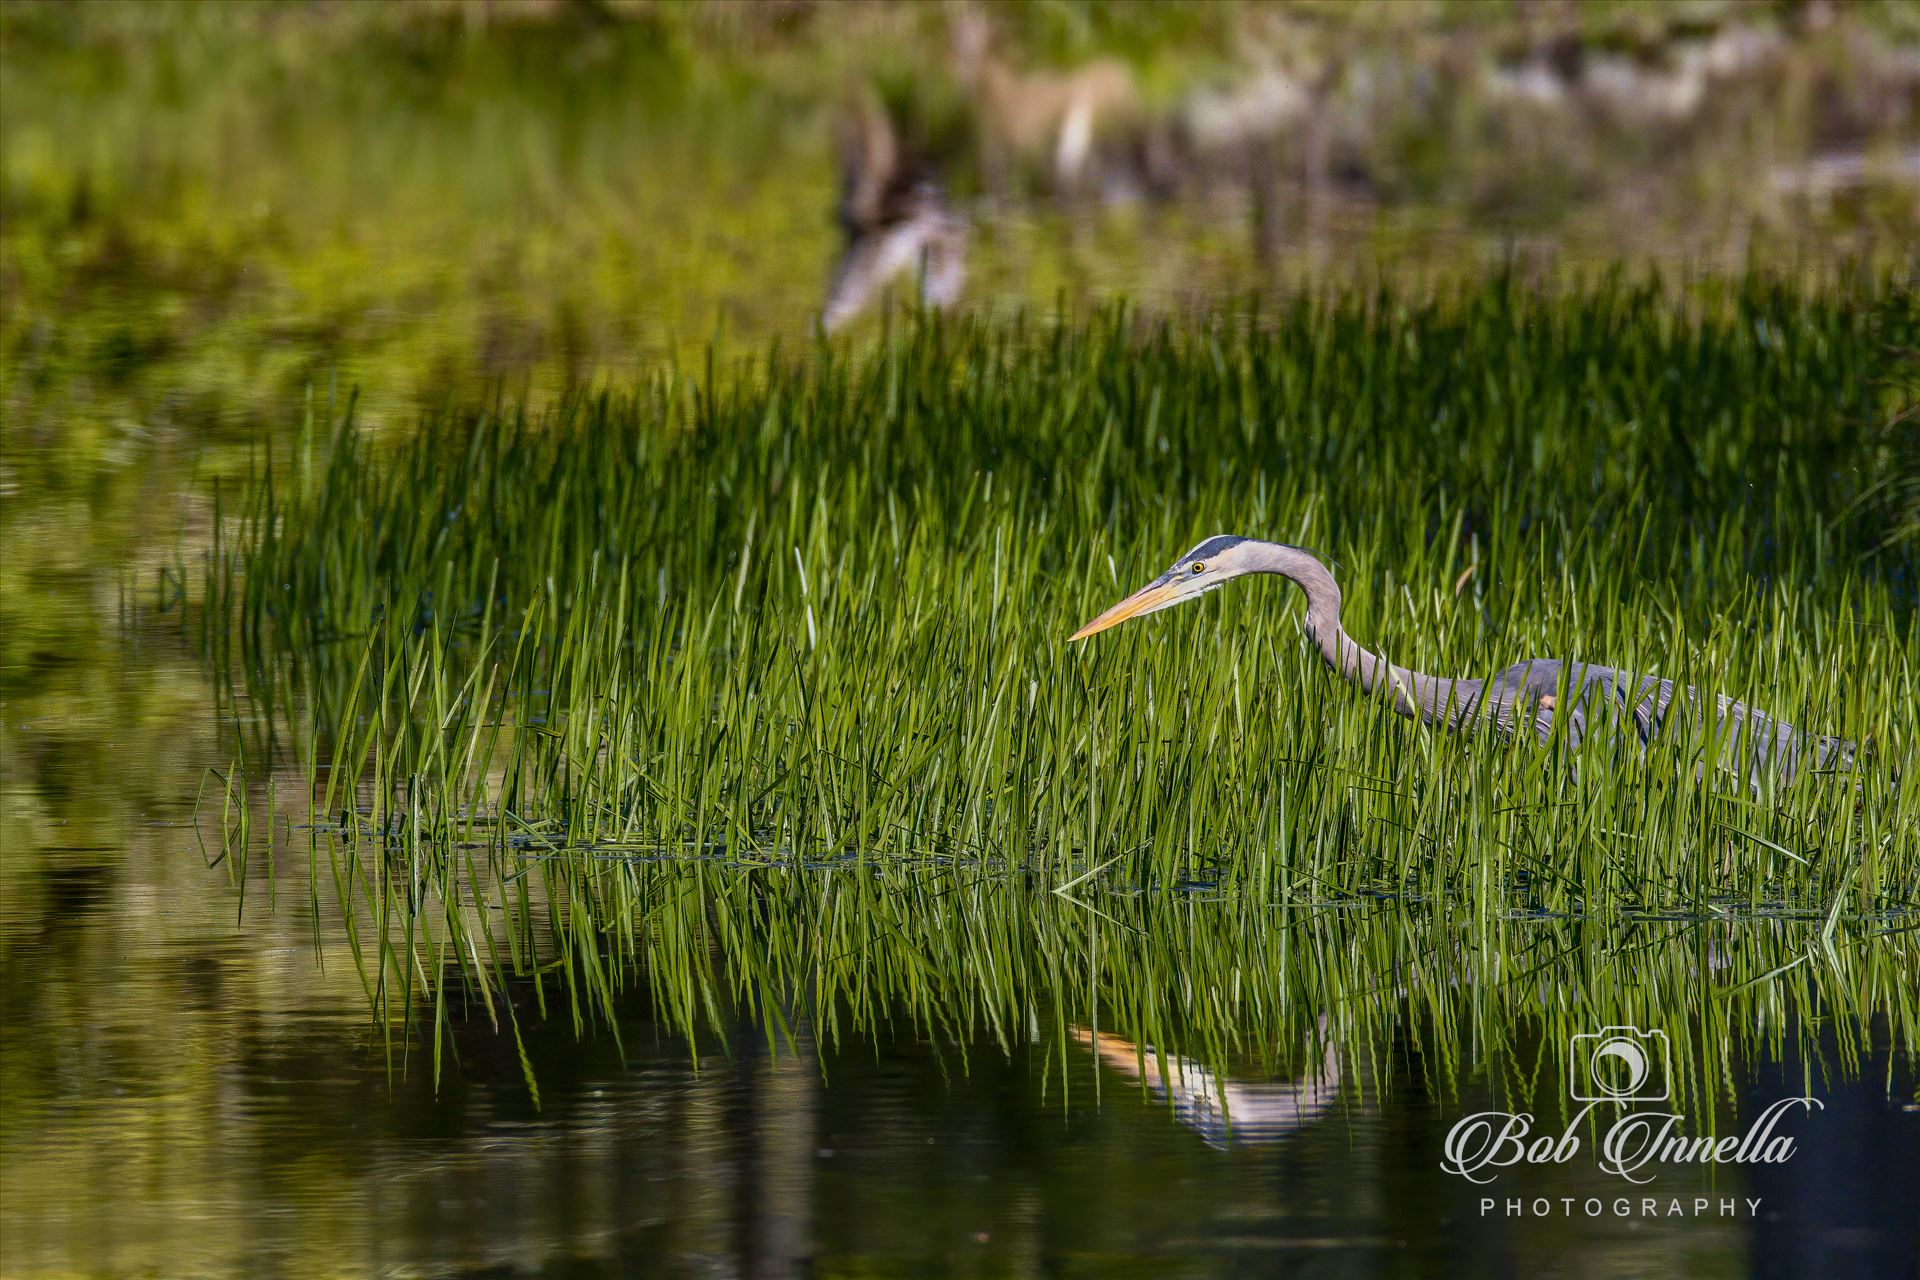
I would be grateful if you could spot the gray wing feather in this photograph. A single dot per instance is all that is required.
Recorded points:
(1637, 710)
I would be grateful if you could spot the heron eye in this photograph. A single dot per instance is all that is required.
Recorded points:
(1199, 566)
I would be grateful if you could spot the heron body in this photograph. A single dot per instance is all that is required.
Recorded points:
(1534, 695)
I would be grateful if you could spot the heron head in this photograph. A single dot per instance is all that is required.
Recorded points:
(1211, 564)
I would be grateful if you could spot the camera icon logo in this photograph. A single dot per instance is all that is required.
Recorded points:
(1619, 1064)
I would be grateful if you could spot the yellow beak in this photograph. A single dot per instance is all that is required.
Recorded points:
(1145, 600)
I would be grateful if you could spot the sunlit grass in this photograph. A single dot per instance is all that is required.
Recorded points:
(595, 695)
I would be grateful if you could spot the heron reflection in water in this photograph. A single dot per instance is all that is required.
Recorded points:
(1536, 694)
(1221, 1109)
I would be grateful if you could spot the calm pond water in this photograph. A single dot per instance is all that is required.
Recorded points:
(188, 1088)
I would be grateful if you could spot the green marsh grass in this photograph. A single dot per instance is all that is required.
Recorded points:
(767, 669)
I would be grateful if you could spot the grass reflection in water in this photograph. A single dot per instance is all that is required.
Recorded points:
(754, 689)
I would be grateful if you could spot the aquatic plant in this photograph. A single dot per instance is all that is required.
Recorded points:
(553, 674)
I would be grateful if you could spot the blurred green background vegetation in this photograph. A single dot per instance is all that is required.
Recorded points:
(210, 207)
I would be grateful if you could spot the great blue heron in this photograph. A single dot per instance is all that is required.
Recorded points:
(1539, 692)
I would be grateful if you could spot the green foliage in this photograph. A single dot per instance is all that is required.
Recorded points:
(563, 677)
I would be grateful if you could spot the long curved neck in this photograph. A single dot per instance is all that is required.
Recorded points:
(1414, 694)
